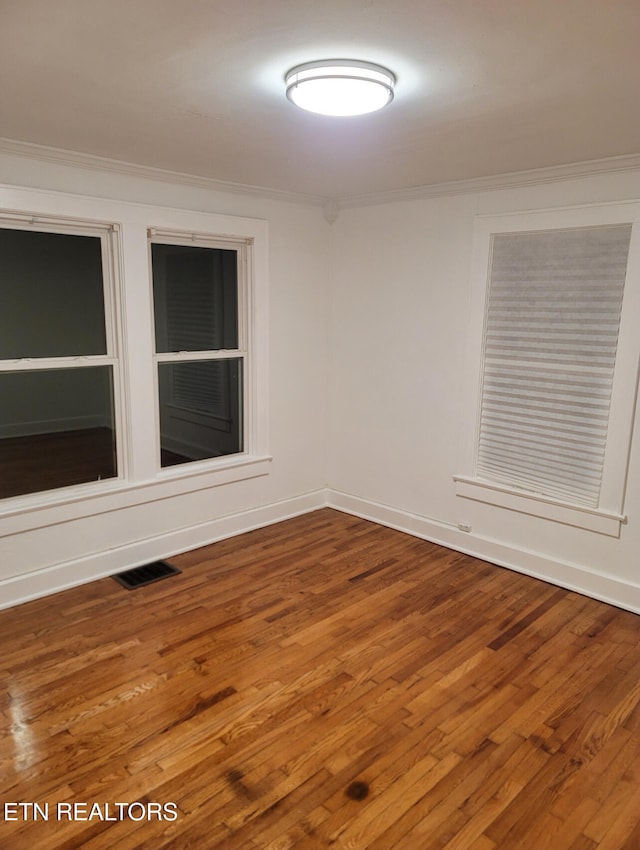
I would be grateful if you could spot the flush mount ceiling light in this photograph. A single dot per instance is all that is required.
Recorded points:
(340, 86)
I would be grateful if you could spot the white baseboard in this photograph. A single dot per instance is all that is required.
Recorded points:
(560, 573)
(18, 589)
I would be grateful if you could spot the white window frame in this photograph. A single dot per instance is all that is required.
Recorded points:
(609, 514)
(140, 480)
(108, 233)
(243, 248)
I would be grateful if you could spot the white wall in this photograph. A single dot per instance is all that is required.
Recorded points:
(398, 322)
(70, 551)
(367, 332)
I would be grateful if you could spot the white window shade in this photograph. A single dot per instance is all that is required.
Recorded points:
(551, 333)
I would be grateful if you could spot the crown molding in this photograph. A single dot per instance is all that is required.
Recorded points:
(511, 180)
(332, 206)
(61, 156)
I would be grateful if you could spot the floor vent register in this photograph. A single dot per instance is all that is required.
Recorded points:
(146, 574)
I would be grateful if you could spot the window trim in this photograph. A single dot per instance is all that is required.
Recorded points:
(132, 302)
(609, 515)
(109, 235)
(243, 247)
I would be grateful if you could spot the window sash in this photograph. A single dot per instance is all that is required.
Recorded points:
(108, 234)
(202, 240)
(241, 247)
(109, 237)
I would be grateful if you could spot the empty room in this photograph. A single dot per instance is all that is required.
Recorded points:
(319, 450)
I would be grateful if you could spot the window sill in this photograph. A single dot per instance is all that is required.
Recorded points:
(591, 519)
(26, 513)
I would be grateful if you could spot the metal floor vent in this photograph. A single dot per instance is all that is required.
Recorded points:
(147, 573)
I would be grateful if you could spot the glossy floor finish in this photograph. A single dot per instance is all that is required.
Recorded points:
(323, 682)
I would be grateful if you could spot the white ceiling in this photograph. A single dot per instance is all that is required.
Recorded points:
(196, 86)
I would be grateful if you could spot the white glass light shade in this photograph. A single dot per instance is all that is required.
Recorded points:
(340, 87)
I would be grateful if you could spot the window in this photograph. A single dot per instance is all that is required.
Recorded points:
(58, 364)
(199, 292)
(133, 362)
(558, 368)
(551, 335)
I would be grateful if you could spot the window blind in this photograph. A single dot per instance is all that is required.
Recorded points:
(551, 333)
(194, 301)
(194, 319)
(202, 387)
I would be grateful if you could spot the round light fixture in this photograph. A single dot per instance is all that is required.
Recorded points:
(340, 86)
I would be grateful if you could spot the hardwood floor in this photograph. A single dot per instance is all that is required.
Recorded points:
(323, 682)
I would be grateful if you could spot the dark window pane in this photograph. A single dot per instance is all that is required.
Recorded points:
(200, 410)
(56, 429)
(195, 294)
(51, 295)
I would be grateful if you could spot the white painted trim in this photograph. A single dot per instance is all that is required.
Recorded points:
(18, 589)
(603, 522)
(14, 591)
(610, 511)
(27, 513)
(145, 482)
(509, 180)
(59, 156)
(561, 573)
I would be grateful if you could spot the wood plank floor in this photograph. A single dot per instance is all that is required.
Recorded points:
(323, 682)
